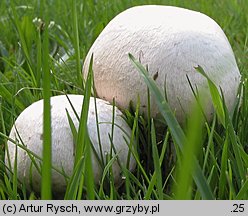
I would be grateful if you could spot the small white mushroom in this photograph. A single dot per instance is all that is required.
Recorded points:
(28, 130)
(171, 42)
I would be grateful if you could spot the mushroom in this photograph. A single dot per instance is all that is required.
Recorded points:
(28, 131)
(170, 42)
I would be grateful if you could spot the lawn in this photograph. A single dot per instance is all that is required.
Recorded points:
(43, 44)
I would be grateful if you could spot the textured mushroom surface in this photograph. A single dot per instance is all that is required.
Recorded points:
(28, 130)
(170, 42)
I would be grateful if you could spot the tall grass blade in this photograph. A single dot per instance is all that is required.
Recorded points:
(39, 58)
(98, 128)
(183, 188)
(9, 189)
(15, 176)
(46, 180)
(76, 42)
(105, 172)
(210, 143)
(152, 183)
(236, 147)
(89, 181)
(223, 170)
(156, 161)
(72, 188)
(82, 130)
(217, 102)
(83, 141)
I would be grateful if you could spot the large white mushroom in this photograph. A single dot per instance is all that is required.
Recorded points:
(28, 130)
(171, 42)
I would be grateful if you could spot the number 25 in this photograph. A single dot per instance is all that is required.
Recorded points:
(238, 207)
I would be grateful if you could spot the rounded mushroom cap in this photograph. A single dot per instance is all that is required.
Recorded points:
(171, 42)
(28, 130)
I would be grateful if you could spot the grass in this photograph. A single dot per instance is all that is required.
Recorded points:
(178, 164)
(46, 180)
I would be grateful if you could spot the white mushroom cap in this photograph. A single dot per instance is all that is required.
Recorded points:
(29, 126)
(171, 41)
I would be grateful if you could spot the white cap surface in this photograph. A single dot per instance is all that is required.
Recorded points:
(170, 41)
(29, 125)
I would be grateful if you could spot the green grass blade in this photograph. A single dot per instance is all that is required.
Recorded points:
(210, 143)
(183, 188)
(73, 130)
(150, 188)
(89, 181)
(152, 183)
(244, 155)
(235, 145)
(8, 96)
(156, 162)
(82, 130)
(164, 147)
(46, 180)
(15, 176)
(72, 188)
(72, 126)
(82, 136)
(39, 59)
(217, 101)
(105, 172)
(2, 192)
(229, 175)
(98, 129)
(243, 192)
(176, 130)
(9, 189)
(76, 42)
(223, 170)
